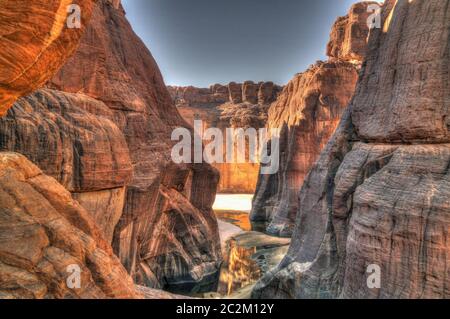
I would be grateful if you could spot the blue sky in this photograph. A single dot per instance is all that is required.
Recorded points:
(201, 42)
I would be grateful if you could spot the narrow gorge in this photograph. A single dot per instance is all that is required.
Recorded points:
(308, 112)
(93, 204)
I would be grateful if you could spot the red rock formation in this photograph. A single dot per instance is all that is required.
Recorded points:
(103, 130)
(379, 193)
(35, 42)
(73, 138)
(234, 93)
(308, 112)
(43, 232)
(348, 38)
(223, 107)
(114, 66)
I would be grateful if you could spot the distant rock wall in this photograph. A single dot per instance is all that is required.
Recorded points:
(232, 106)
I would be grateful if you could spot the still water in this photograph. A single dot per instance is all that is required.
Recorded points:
(248, 252)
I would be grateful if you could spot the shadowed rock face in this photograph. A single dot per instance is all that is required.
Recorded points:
(232, 106)
(35, 43)
(307, 112)
(47, 233)
(113, 66)
(102, 129)
(379, 193)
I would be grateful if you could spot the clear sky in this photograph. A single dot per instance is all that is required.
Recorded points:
(201, 42)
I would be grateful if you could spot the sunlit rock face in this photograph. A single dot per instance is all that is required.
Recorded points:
(308, 112)
(44, 233)
(102, 128)
(73, 138)
(35, 42)
(379, 193)
(167, 232)
(47, 233)
(348, 38)
(233, 106)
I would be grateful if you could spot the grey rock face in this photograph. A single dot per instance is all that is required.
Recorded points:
(379, 193)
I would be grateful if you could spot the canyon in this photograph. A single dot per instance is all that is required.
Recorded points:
(378, 195)
(87, 182)
(307, 112)
(236, 105)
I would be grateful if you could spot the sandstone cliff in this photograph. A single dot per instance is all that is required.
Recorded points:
(43, 231)
(35, 42)
(236, 105)
(308, 112)
(102, 128)
(379, 193)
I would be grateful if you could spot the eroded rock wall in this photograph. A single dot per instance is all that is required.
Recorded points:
(379, 193)
(307, 112)
(43, 232)
(73, 138)
(35, 42)
(114, 66)
(45, 235)
(236, 105)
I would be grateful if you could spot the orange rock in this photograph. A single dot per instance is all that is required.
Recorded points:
(307, 112)
(222, 107)
(113, 66)
(35, 42)
(46, 234)
(348, 38)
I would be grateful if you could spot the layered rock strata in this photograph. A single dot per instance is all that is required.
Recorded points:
(232, 106)
(50, 247)
(376, 202)
(73, 138)
(307, 112)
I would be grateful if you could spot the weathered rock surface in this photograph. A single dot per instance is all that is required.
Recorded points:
(307, 112)
(348, 38)
(43, 232)
(233, 106)
(379, 193)
(35, 41)
(217, 94)
(73, 139)
(114, 66)
(102, 128)
(45, 235)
